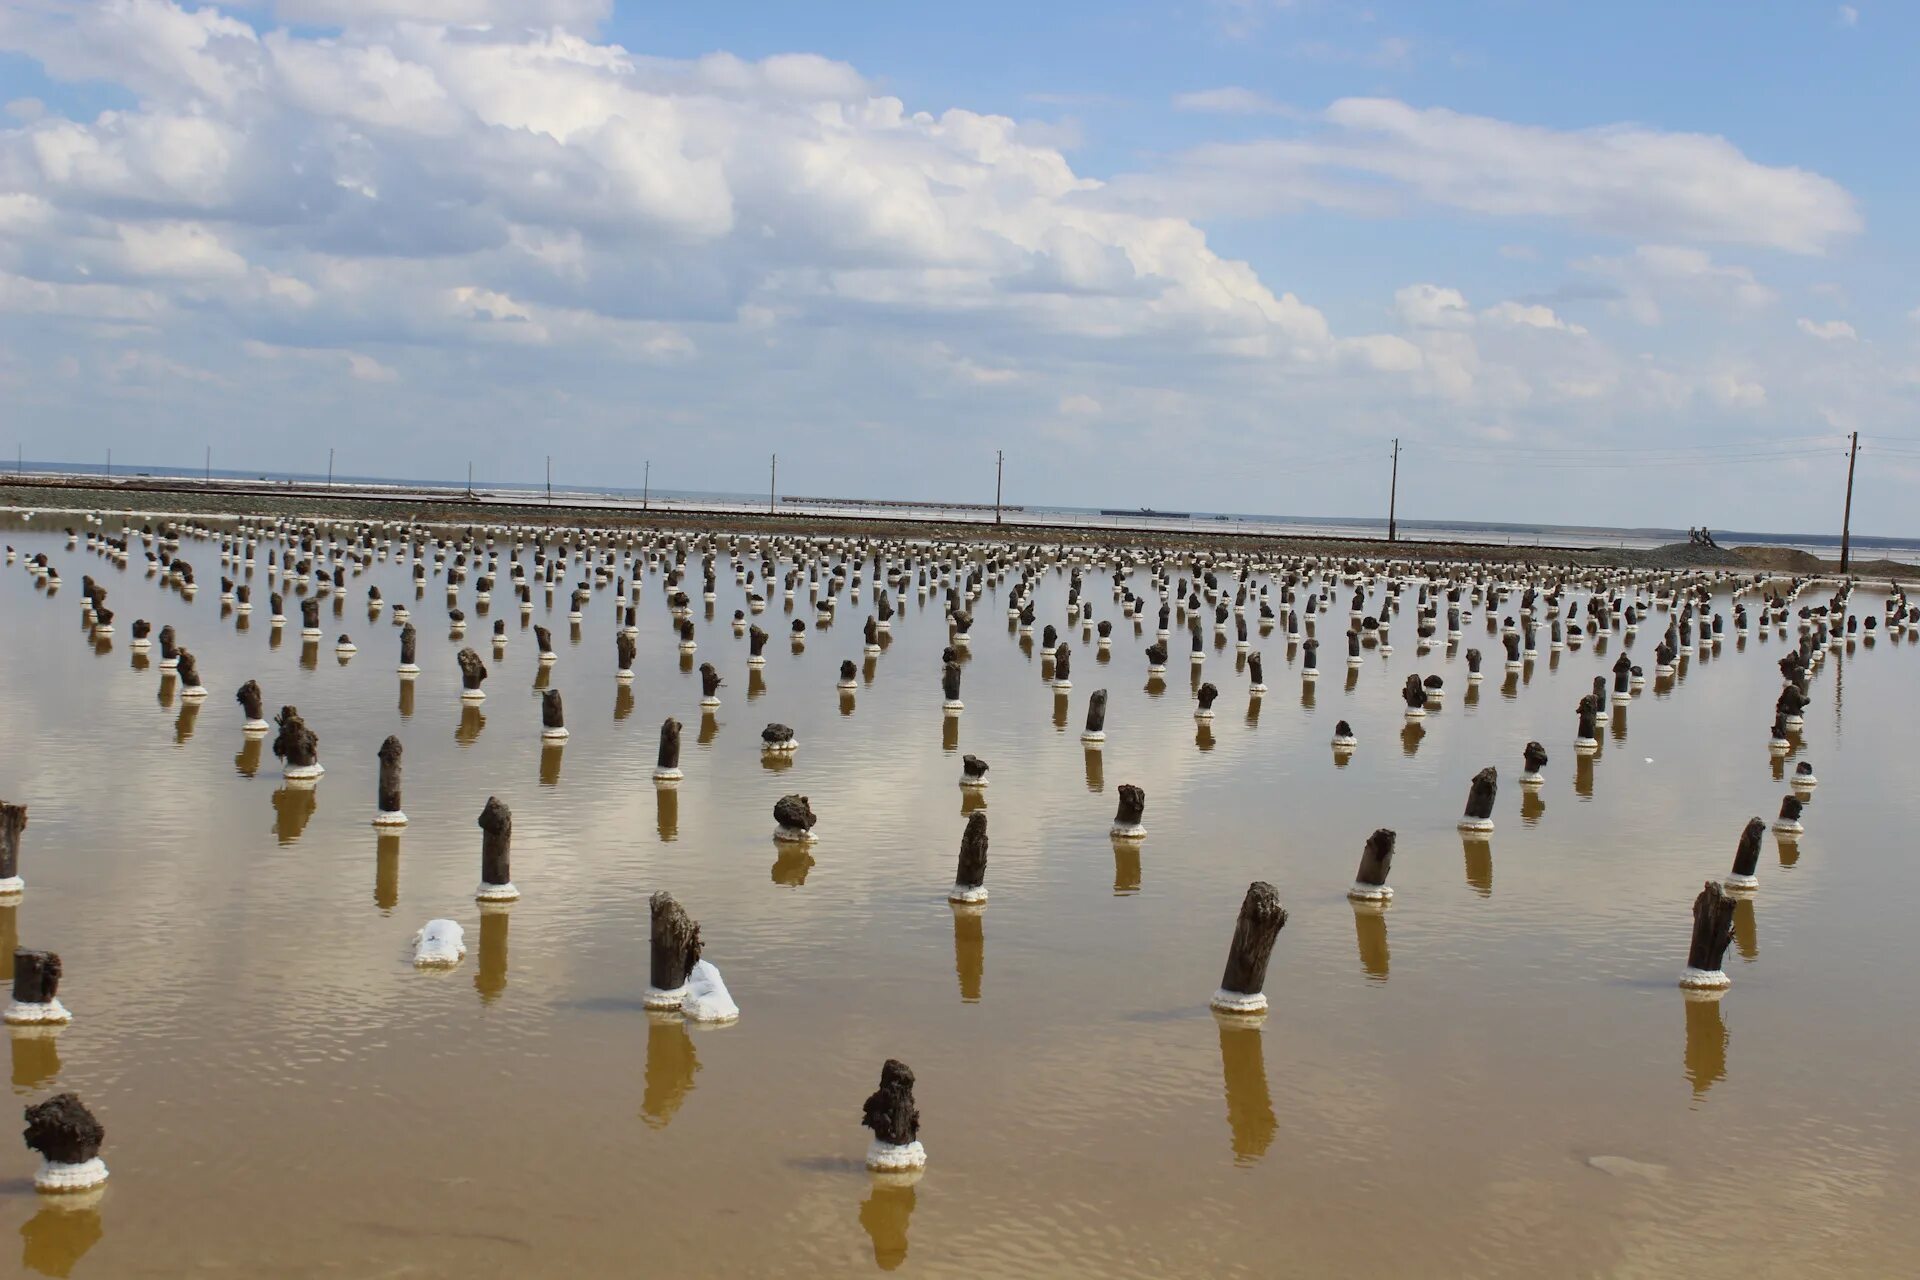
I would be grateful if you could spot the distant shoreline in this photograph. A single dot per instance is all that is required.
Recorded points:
(223, 497)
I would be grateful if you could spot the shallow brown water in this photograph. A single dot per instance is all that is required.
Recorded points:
(285, 1095)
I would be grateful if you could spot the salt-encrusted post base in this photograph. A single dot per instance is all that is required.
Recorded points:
(51, 1012)
(64, 1179)
(12, 887)
(408, 669)
(1586, 746)
(662, 1001)
(558, 734)
(972, 784)
(667, 777)
(1737, 884)
(1533, 779)
(473, 695)
(967, 894)
(1705, 979)
(1362, 892)
(303, 772)
(1094, 737)
(256, 728)
(1479, 825)
(887, 1157)
(390, 818)
(953, 706)
(1238, 1002)
(794, 835)
(496, 892)
(1128, 831)
(1789, 828)
(439, 945)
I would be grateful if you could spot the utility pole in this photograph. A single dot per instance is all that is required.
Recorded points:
(772, 479)
(109, 461)
(209, 464)
(1393, 493)
(1846, 519)
(999, 468)
(329, 466)
(469, 479)
(646, 486)
(549, 479)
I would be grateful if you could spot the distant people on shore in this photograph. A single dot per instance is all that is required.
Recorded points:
(1701, 537)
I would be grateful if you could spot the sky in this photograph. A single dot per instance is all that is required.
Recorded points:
(1631, 264)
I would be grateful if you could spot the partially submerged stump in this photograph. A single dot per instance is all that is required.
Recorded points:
(970, 878)
(298, 746)
(1343, 739)
(950, 687)
(794, 819)
(387, 811)
(1205, 696)
(252, 706)
(1712, 933)
(409, 645)
(36, 988)
(1480, 796)
(13, 821)
(1376, 859)
(553, 716)
(973, 773)
(1535, 759)
(673, 951)
(1256, 673)
(496, 853)
(666, 766)
(68, 1139)
(473, 674)
(1788, 824)
(710, 683)
(1128, 819)
(1746, 858)
(1261, 919)
(890, 1112)
(778, 739)
(1096, 730)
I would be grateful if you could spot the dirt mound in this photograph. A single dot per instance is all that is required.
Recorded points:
(1779, 559)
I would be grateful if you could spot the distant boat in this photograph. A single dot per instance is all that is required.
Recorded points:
(1148, 511)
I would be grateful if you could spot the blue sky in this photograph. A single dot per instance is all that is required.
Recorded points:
(1628, 264)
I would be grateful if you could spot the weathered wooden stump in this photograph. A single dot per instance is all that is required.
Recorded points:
(1343, 737)
(473, 674)
(13, 821)
(1204, 697)
(890, 1113)
(778, 739)
(1096, 730)
(1376, 859)
(973, 773)
(553, 717)
(36, 988)
(794, 820)
(1746, 858)
(1788, 825)
(298, 746)
(1712, 932)
(409, 649)
(1534, 758)
(68, 1139)
(950, 688)
(1129, 818)
(1480, 797)
(496, 853)
(252, 706)
(1261, 919)
(970, 879)
(387, 810)
(672, 952)
(666, 767)
(1256, 673)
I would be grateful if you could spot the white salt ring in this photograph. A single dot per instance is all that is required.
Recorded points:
(1363, 892)
(1128, 831)
(1705, 979)
(496, 892)
(1476, 824)
(967, 894)
(888, 1157)
(390, 818)
(1238, 1002)
(303, 772)
(52, 1012)
(55, 1178)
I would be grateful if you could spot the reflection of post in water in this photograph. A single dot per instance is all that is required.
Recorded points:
(472, 721)
(53, 1241)
(9, 938)
(1126, 867)
(709, 729)
(1203, 735)
(1410, 734)
(666, 801)
(1472, 698)
(310, 655)
(969, 948)
(292, 807)
(949, 733)
(1746, 928)
(1096, 770)
(791, 864)
(165, 695)
(1510, 687)
(36, 1055)
(1532, 805)
(884, 1215)
(386, 871)
(406, 699)
(1706, 1057)
(1619, 722)
(1583, 775)
(1243, 1063)
(671, 1066)
(756, 682)
(1306, 694)
(542, 675)
(1479, 856)
(183, 727)
(247, 763)
(1353, 679)
(551, 754)
(622, 702)
(491, 978)
(1370, 931)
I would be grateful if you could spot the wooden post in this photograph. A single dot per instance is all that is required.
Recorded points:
(496, 851)
(1128, 820)
(1746, 857)
(1712, 933)
(1261, 919)
(970, 879)
(673, 951)
(388, 812)
(13, 820)
(890, 1113)
(68, 1138)
(553, 716)
(1096, 730)
(1376, 859)
(1480, 797)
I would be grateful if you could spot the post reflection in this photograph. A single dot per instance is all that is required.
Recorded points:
(247, 762)
(1478, 853)
(1706, 1055)
(53, 1241)
(472, 721)
(622, 702)
(671, 1066)
(551, 755)
(969, 948)
(292, 807)
(1096, 770)
(1243, 1065)
(406, 699)
(1370, 931)
(1532, 805)
(666, 805)
(884, 1216)
(490, 978)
